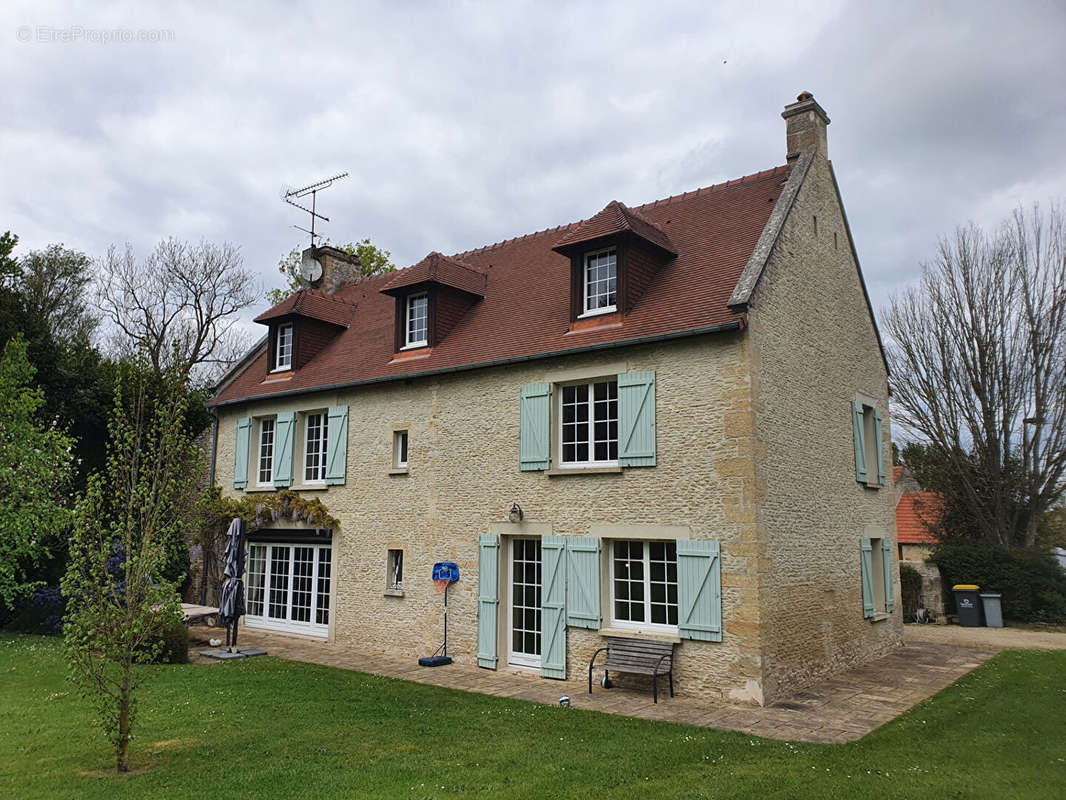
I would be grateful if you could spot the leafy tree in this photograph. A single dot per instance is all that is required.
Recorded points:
(119, 603)
(35, 473)
(9, 268)
(978, 364)
(372, 261)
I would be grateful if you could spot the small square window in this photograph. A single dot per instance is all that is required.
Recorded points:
(399, 449)
(394, 577)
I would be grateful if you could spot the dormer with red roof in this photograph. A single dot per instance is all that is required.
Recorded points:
(613, 258)
(431, 298)
(300, 326)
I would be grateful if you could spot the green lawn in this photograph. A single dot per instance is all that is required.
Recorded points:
(283, 729)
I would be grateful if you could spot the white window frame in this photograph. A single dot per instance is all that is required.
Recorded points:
(869, 443)
(323, 450)
(585, 267)
(647, 625)
(877, 574)
(591, 384)
(283, 347)
(259, 450)
(264, 620)
(401, 449)
(408, 308)
(515, 659)
(391, 583)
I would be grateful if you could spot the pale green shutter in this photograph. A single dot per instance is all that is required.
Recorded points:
(860, 444)
(880, 448)
(890, 583)
(553, 607)
(488, 575)
(636, 419)
(284, 440)
(240, 453)
(583, 582)
(699, 591)
(337, 445)
(534, 414)
(867, 579)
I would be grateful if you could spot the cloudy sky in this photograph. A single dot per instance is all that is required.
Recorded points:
(466, 123)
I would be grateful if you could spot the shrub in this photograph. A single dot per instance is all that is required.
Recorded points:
(41, 612)
(170, 643)
(1032, 584)
(910, 582)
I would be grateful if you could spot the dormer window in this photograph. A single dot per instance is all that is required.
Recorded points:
(283, 348)
(417, 321)
(600, 282)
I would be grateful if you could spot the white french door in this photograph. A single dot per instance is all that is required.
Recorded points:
(288, 587)
(523, 617)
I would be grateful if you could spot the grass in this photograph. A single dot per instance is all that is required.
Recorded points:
(283, 729)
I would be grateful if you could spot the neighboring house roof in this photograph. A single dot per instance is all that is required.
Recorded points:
(439, 268)
(913, 511)
(615, 218)
(313, 304)
(525, 312)
(897, 473)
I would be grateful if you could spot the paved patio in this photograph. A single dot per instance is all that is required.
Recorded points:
(841, 709)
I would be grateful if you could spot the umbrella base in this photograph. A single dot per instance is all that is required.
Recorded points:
(223, 654)
(434, 661)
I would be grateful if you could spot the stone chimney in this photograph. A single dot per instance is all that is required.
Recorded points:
(338, 267)
(805, 124)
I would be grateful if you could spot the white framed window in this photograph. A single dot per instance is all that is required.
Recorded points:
(644, 584)
(877, 575)
(394, 578)
(588, 430)
(524, 608)
(283, 348)
(288, 587)
(600, 280)
(266, 452)
(417, 322)
(316, 434)
(399, 449)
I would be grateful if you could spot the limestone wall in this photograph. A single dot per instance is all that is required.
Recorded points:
(813, 348)
(463, 476)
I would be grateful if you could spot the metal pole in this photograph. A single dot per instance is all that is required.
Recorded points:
(446, 619)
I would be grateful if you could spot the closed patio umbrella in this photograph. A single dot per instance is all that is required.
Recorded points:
(231, 604)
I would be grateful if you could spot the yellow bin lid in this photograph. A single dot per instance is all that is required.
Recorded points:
(966, 586)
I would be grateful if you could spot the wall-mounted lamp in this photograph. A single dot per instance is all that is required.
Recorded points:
(515, 514)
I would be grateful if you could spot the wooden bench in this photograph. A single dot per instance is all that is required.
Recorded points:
(638, 656)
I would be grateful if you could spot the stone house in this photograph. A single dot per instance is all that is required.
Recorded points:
(687, 401)
(915, 512)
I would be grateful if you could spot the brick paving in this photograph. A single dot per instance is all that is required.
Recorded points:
(840, 709)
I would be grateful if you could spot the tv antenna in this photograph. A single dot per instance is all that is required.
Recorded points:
(288, 194)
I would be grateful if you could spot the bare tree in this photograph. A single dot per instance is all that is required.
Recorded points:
(978, 357)
(179, 306)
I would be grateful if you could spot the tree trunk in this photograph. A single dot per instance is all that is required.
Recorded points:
(122, 746)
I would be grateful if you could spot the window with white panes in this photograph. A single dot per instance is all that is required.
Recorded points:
(283, 348)
(600, 281)
(417, 320)
(644, 584)
(316, 430)
(394, 579)
(266, 452)
(399, 449)
(589, 424)
(288, 587)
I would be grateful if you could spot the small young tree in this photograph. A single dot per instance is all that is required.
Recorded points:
(118, 601)
(35, 474)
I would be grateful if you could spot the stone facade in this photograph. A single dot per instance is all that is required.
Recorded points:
(814, 348)
(754, 450)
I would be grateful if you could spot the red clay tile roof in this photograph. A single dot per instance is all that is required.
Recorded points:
(912, 512)
(316, 305)
(897, 472)
(526, 308)
(615, 218)
(439, 269)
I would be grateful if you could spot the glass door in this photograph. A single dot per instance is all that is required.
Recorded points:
(524, 608)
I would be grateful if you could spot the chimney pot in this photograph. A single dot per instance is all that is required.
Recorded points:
(805, 124)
